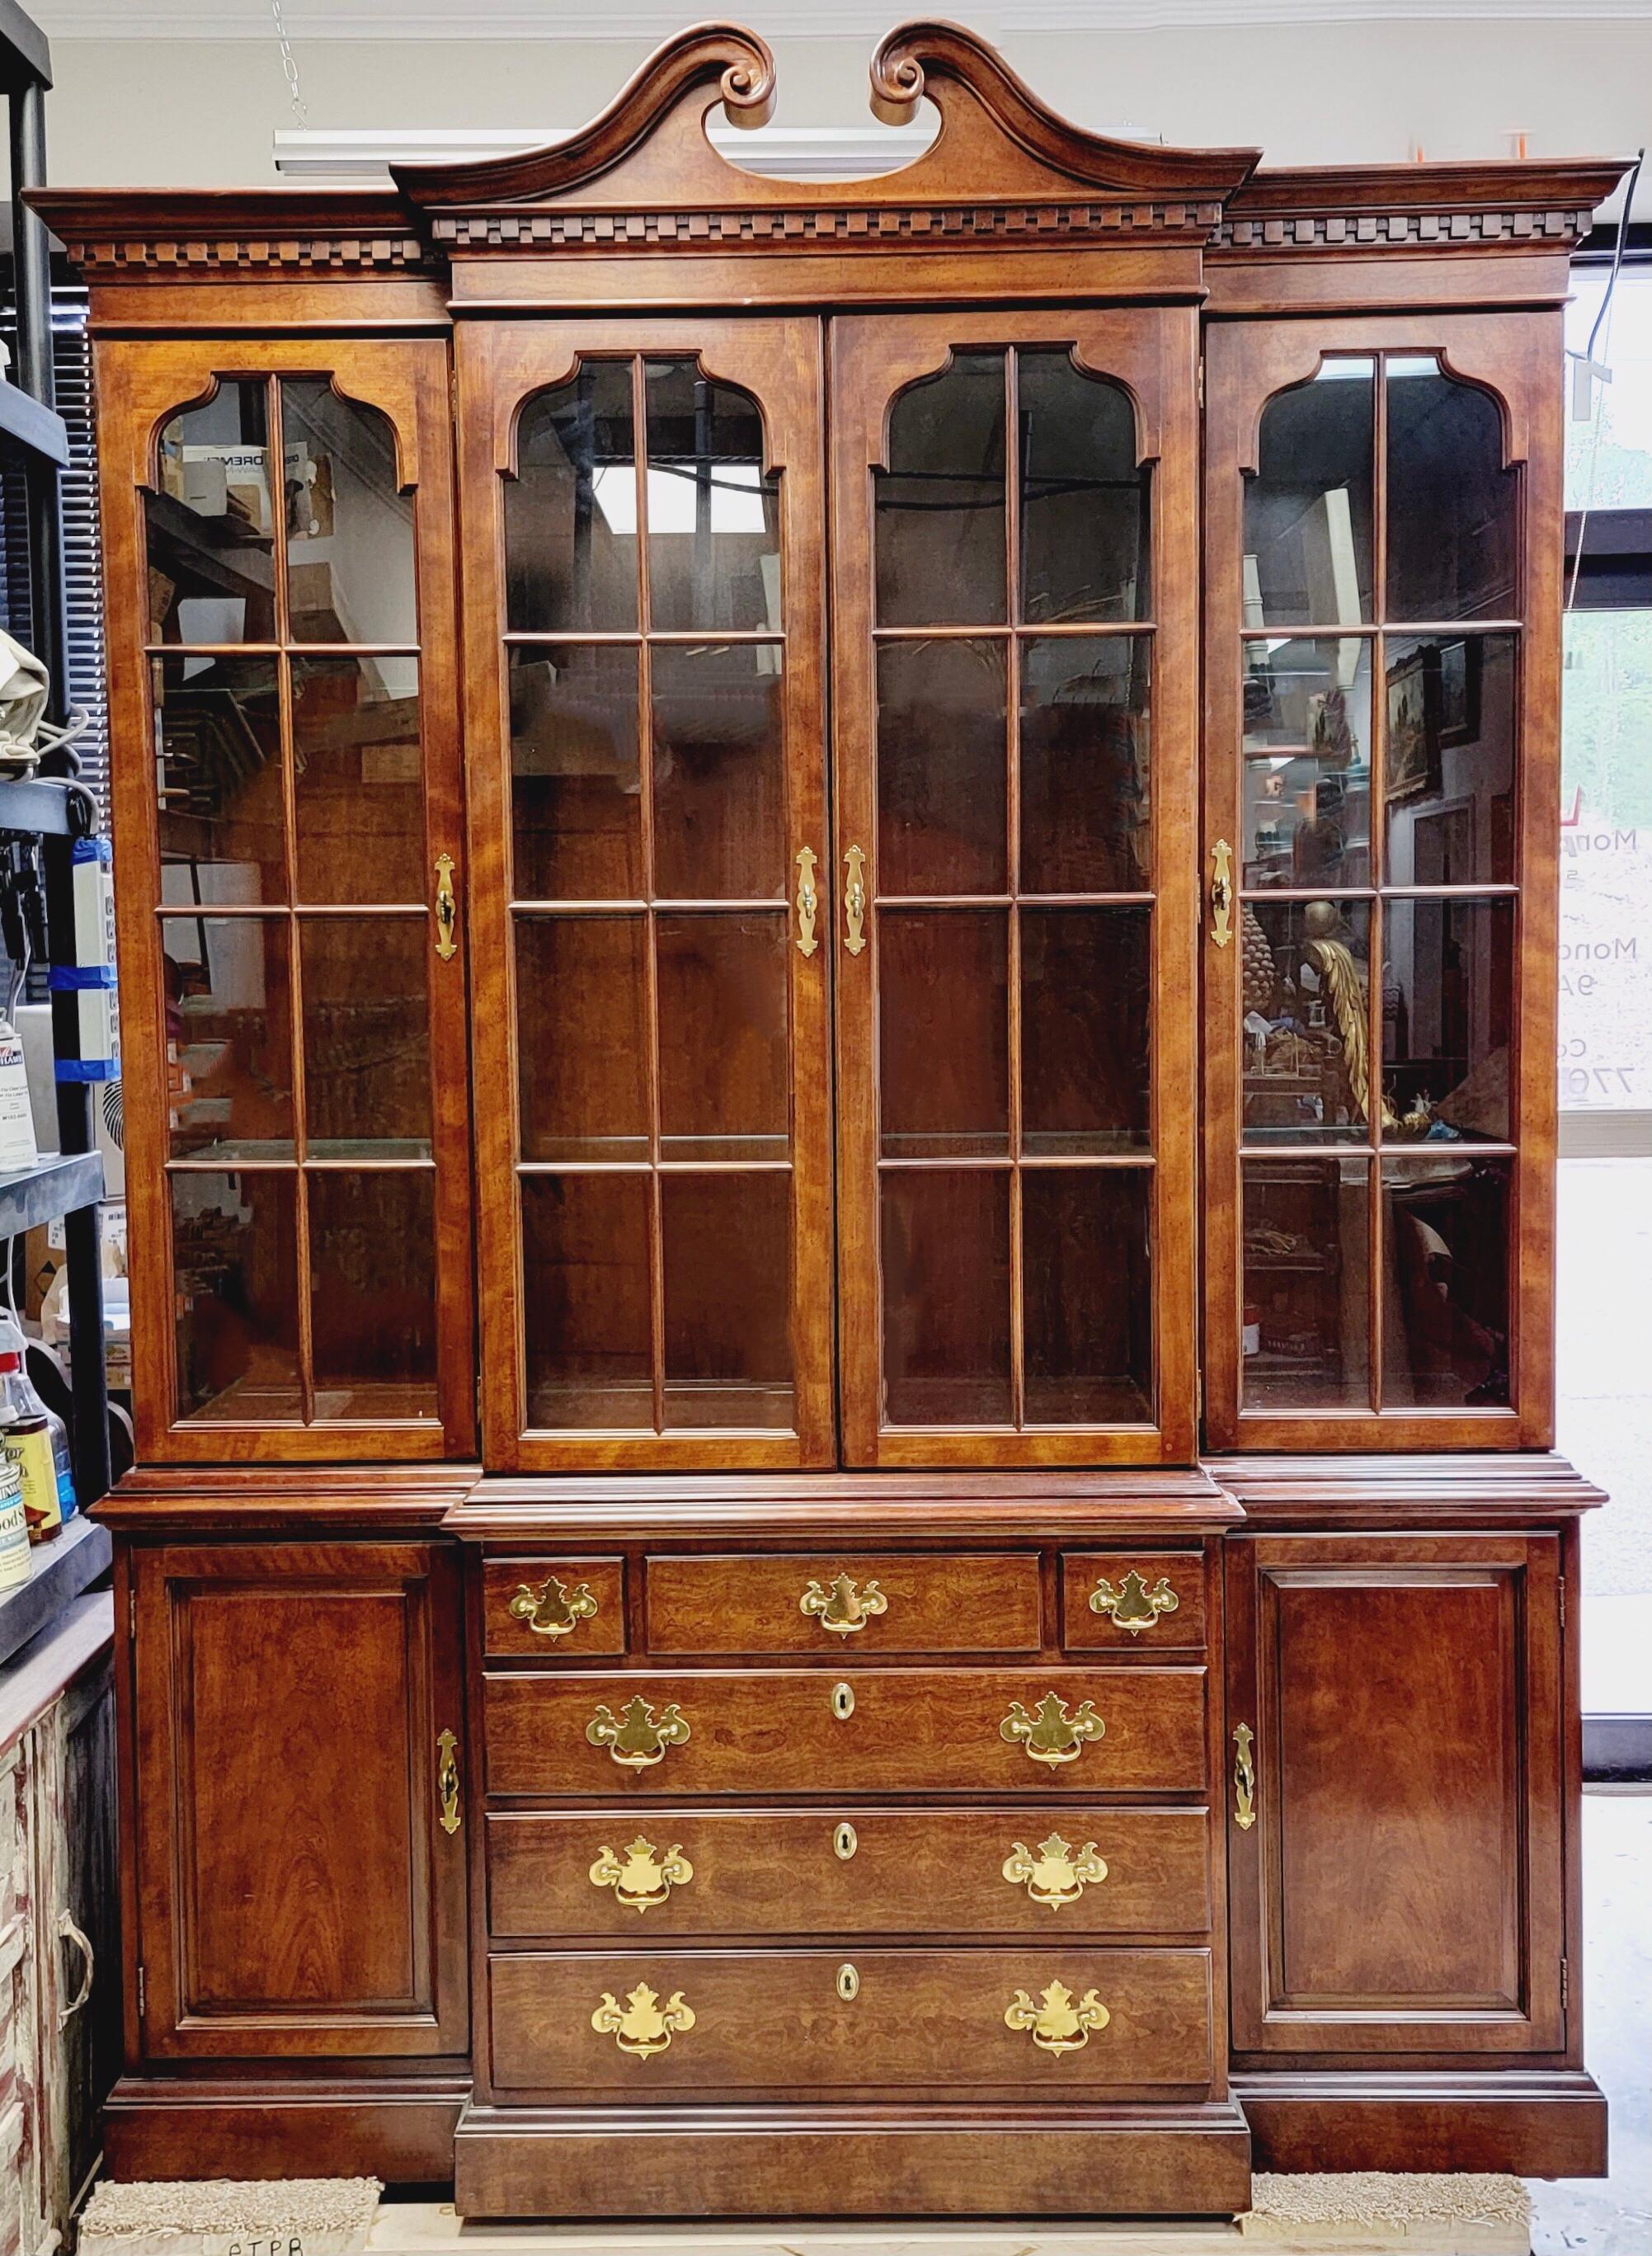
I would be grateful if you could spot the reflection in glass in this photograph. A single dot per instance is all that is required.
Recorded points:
(350, 531)
(587, 1330)
(720, 783)
(1084, 501)
(1448, 968)
(358, 785)
(1451, 505)
(1086, 1260)
(714, 515)
(1307, 557)
(941, 767)
(373, 1294)
(1445, 1284)
(228, 1036)
(1307, 763)
(945, 1260)
(725, 1085)
(939, 506)
(942, 1030)
(1085, 795)
(208, 522)
(218, 780)
(1448, 784)
(576, 788)
(581, 1037)
(1085, 975)
(1307, 1323)
(570, 509)
(235, 1282)
(366, 1036)
(727, 1241)
(1306, 1033)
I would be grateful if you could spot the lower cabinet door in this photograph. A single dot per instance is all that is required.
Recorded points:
(1395, 1794)
(300, 1850)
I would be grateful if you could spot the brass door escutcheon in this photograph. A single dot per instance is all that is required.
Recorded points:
(1133, 1606)
(447, 1780)
(640, 1875)
(634, 1737)
(1244, 1778)
(1222, 892)
(1057, 2024)
(447, 910)
(553, 1610)
(848, 1982)
(1050, 1735)
(844, 1841)
(843, 1701)
(641, 2026)
(1055, 1873)
(843, 1608)
(808, 901)
(854, 900)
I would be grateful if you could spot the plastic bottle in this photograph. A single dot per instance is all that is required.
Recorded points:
(14, 1528)
(18, 1390)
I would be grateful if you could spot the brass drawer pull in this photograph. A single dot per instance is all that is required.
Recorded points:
(848, 1982)
(843, 1608)
(640, 1875)
(1222, 892)
(1052, 1736)
(1244, 1778)
(447, 1781)
(641, 2026)
(844, 1841)
(808, 901)
(1056, 1873)
(634, 1739)
(854, 900)
(843, 1701)
(1133, 1606)
(553, 1611)
(1056, 2024)
(447, 910)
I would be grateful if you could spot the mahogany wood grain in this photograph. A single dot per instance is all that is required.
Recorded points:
(396, 2127)
(1083, 1630)
(1540, 2123)
(716, 1604)
(599, 1635)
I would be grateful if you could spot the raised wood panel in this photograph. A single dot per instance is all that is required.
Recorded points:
(930, 1603)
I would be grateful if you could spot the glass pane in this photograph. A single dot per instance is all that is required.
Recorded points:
(1308, 509)
(1085, 988)
(218, 780)
(350, 531)
(1086, 1269)
(576, 789)
(942, 765)
(1307, 763)
(1451, 505)
(1447, 1011)
(1307, 1312)
(1446, 1282)
(940, 504)
(725, 1080)
(713, 517)
(1086, 788)
(945, 1247)
(210, 556)
(720, 779)
(373, 1294)
(942, 1033)
(1448, 787)
(235, 1282)
(358, 779)
(570, 509)
(366, 1037)
(1084, 501)
(582, 1037)
(228, 1036)
(586, 1303)
(1306, 973)
(728, 1251)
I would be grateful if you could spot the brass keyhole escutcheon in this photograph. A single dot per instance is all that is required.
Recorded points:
(844, 1841)
(848, 1982)
(843, 1701)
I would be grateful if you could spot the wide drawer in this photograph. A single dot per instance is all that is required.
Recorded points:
(976, 1872)
(760, 1733)
(846, 1601)
(637, 2025)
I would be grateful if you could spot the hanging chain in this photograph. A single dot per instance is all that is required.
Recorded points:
(289, 65)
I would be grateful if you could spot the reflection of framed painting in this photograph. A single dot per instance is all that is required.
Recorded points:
(1411, 762)
(1459, 663)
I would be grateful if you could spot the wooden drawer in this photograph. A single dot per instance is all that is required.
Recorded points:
(859, 1602)
(759, 1732)
(1134, 1587)
(710, 1873)
(780, 2020)
(566, 1609)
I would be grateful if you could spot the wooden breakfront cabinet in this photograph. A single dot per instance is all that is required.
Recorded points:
(838, 943)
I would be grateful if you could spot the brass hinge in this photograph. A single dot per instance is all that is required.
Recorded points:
(1561, 1589)
(131, 1613)
(1199, 1394)
(142, 2001)
(1565, 1983)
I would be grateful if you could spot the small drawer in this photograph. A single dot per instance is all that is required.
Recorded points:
(1122, 1601)
(554, 1609)
(849, 1602)
(760, 1732)
(1037, 2017)
(710, 1874)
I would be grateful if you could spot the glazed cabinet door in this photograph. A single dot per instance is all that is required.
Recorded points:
(1395, 1717)
(1383, 830)
(1014, 681)
(644, 544)
(298, 1799)
(278, 521)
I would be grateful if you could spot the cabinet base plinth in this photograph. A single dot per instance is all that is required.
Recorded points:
(400, 2130)
(1532, 2123)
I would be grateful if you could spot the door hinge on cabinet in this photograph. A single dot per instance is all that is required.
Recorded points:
(131, 1613)
(1565, 1983)
(142, 2001)
(1560, 1591)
